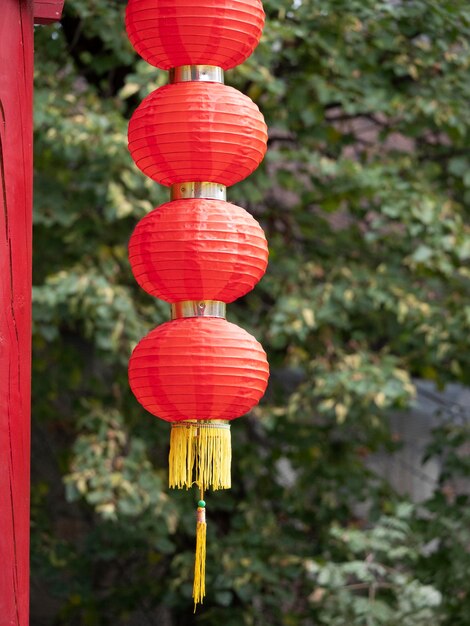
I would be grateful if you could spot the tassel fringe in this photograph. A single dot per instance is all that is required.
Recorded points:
(199, 585)
(201, 454)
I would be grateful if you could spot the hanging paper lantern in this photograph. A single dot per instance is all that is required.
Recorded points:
(198, 136)
(199, 373)
(171, 33)
(198, 249)
(198, 368)
(195, 131)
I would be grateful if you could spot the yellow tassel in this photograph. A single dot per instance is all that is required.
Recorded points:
(201, 453)
(199, 586)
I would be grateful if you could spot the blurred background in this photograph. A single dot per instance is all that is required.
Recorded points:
(350, 491)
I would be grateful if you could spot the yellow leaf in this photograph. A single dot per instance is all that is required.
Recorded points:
(380, 399)
(129, 90)
(341, 412)
(309, 317)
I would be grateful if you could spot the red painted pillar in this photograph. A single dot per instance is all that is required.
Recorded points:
(16, 171)
(16, 167)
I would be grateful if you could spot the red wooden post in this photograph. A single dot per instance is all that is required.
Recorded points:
(16, 168)
(47, 11)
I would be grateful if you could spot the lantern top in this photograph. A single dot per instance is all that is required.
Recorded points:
(47, 11)
(172, 33)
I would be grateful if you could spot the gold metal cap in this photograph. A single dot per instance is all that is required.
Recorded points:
(199, 73)
(206, 423)
(198, 308)
(210, 191)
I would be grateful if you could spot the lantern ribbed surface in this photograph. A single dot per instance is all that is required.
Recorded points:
(170, 33)
(197, 132)
(198, 249)
(198, 368)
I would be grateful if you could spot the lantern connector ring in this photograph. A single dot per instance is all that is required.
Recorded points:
(198, 308)
(209, 191)
(197, 73)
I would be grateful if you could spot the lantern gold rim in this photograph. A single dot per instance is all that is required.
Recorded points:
(206, 190)
(196, 73)
(205, 423)
(198, 308)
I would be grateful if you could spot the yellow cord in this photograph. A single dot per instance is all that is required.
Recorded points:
(199, 586)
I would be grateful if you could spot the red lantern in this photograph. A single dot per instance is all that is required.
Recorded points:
(198, 249)
(171, 33)
(198, 369)
(196, 131)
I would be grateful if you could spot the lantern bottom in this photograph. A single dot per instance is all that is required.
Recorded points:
(201, 454)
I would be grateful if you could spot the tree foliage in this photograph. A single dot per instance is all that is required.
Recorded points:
(363, 197)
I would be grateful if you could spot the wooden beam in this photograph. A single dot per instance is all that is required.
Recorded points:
(47, 11)
(16, 174)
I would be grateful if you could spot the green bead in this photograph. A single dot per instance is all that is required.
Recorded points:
(201, 504)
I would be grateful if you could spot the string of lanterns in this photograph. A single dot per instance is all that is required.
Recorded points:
(197, 252)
